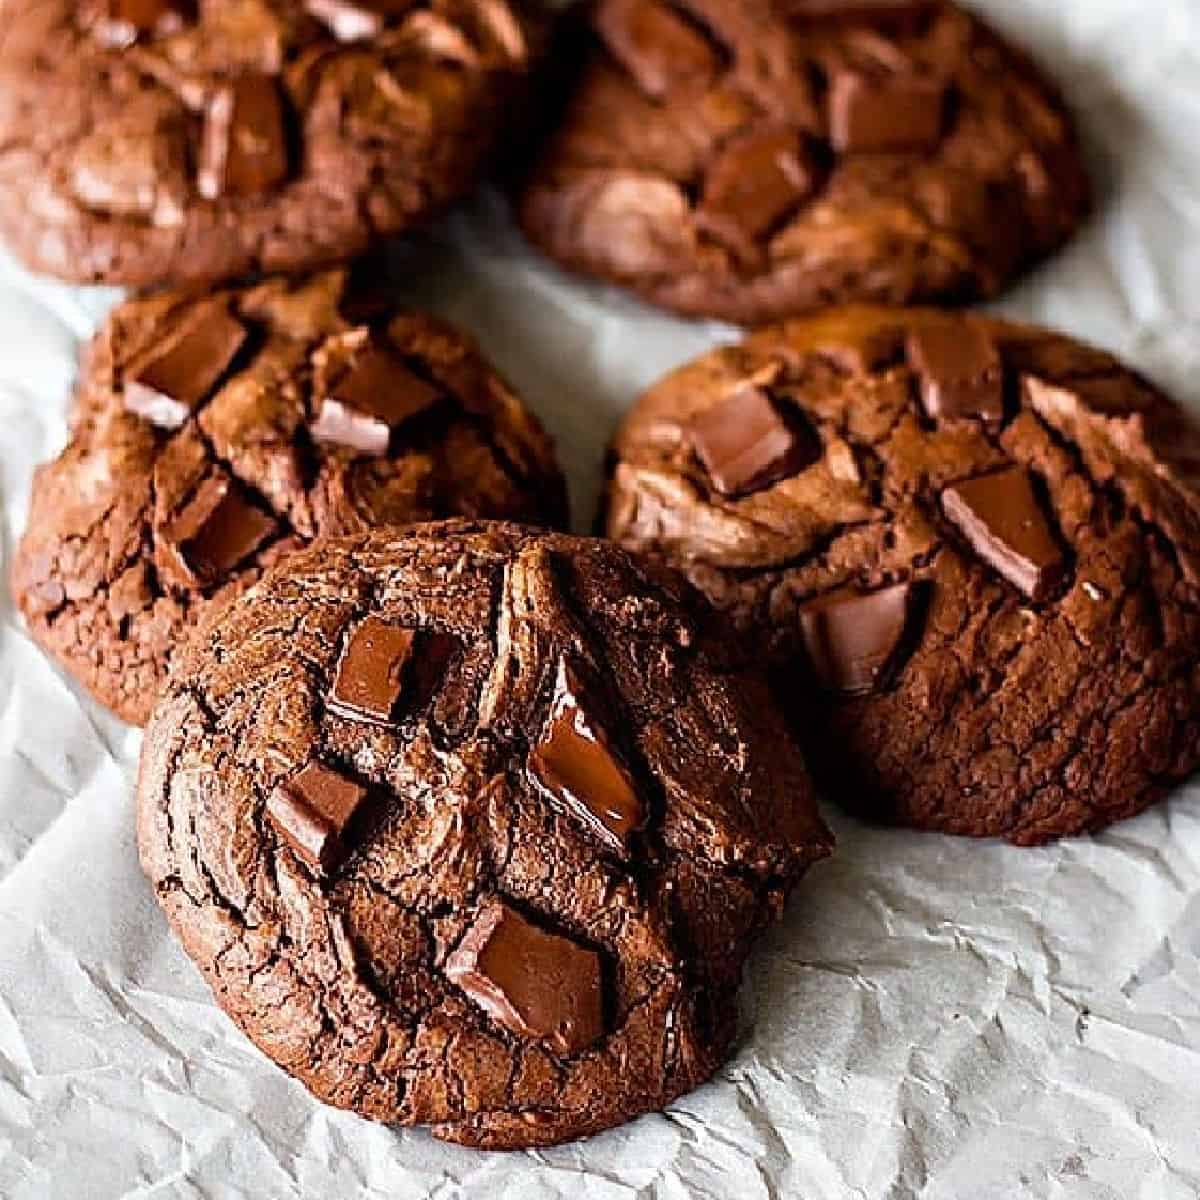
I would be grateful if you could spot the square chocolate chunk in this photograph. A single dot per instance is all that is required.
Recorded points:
(375, 395)
(215, 532)
(534, 983)
(576, 766)
(311, 812)
(244, 147)
(746, 444)
(893, 114)
(371, 671)
(961, 372)
(174, 379)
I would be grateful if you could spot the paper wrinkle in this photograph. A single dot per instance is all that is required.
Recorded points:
(934, 1018)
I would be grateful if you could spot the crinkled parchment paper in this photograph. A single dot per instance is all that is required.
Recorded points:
(935, 1018)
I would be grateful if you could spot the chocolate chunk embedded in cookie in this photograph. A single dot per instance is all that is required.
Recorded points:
(472, 826)
(990, 568)
(214, 433)
(754, 159)
(210, 141)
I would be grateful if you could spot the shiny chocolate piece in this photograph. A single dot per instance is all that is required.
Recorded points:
(746, 444)
(373, 397)
(118, 24)
(311, 811)
(357, 20)
(855, 641)
(758, 179)
(897, 113)
(999, 515)
(536, 984)
(217, 530)
(371, 671)
(576, 766)
(244, 146)
(656, 45)
(169, 384)
(962, 375)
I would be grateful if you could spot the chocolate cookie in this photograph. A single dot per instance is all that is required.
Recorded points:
(981, 540)
(215, 433)
(471, 826)
(754, 159)
(151, 141)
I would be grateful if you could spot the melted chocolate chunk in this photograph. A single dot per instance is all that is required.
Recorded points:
(856, 641)
(357, 20)
(746, 444)
(660, 49)
(311, 812)
(117, 24)
(893, 114)
(244, 149)
(216, 531)
(177, 376)
(535, 984)
(757, 180)
(375, 396)
(1001, 518)
(576, 766)
(371, 671)
(960, 369)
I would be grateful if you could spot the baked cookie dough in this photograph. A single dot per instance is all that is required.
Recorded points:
(470, 825)
(757, 159)
(152, 141)
(215, 432)
(982, 541)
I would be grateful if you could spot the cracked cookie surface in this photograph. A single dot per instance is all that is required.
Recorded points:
(472, 825)
(213, 433)
(756, 159)
(212, 139)
(980, 539)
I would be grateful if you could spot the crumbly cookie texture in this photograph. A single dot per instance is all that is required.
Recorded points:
(757, 159)
(981, 540)
(472, 825)
(211, 139)
(215, 432)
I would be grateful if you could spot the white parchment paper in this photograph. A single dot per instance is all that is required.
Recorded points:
(935, 1018)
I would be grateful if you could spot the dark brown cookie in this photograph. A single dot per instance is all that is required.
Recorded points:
(756, 159)
(152, 141)
(471, 826)
(214, 433)
(981, 539)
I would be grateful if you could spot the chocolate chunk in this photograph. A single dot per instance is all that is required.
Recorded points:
(892, 114)
(356, 20)
(536, 984)
(856, 641)
(244, 148)
(117, 24)
(576, 766)
(757, 180)
(960, 369)
(177, 376)
(746, 444)
(311, 811)
(216, 531)
(371, 670)
(657, 46)
(1000, 516)
(374, 396)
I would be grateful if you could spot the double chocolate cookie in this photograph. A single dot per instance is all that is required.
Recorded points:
(215, 433)
(753, 159)
(981, 540)
(471, 825)
(148, 141)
